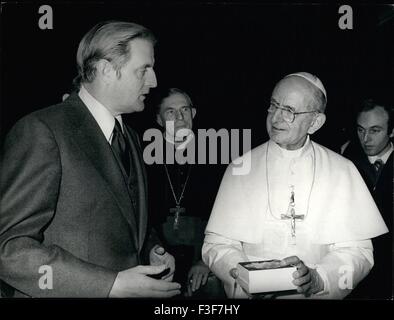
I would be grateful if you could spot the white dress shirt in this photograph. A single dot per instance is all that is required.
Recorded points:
(383, 157)
(101, 114)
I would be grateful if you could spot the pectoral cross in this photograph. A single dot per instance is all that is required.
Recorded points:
(177, 211)
(293, 216)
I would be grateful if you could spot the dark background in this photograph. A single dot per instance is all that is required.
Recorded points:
(227, 56)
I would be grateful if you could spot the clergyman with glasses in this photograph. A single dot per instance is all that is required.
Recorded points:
(301, 204)
(182, 194)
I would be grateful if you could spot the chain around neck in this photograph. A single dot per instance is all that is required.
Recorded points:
(177, 201)
(267, 179)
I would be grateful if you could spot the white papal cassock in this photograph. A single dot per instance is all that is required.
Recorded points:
(340, 217)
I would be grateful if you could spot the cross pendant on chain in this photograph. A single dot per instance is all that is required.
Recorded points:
(293, 216)
(177, 211)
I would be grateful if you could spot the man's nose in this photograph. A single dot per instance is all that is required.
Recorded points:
(151, 80)
(366, 137)
(277, 115)
(179, 114)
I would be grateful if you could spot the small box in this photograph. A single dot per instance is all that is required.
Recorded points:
(265, 276)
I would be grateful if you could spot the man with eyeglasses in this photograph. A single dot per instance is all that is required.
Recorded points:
(182, 194)
(301, 204)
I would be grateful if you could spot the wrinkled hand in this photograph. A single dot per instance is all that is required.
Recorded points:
(197, 277)
(158, 256)
(307, 280)
(234, 273)
(241, 293)
(135, 283)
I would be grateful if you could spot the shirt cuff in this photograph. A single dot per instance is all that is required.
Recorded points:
(323, 275)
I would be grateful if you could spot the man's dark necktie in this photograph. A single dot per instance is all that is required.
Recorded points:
(120, 147)
(378, 166)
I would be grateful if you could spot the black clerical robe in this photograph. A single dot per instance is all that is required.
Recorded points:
(200, 184)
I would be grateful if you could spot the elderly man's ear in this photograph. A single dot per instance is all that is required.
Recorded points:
(65, 96)
(317, 123)
(158, 120)
(391, 134)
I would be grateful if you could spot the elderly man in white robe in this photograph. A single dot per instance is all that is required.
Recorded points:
(300, 203)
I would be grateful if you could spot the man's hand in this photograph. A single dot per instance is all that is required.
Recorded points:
(197, 277)
(307, 280)
(234, 273)
(135, 283)
(241, 294)
(158, 256)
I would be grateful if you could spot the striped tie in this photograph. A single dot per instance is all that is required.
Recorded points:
(378, 165)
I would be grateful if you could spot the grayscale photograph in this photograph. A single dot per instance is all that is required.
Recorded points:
(193, 157)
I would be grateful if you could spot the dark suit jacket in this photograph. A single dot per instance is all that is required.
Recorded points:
(64, 202)
(378, 284)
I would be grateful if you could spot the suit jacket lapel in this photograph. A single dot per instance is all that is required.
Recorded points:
(141, 184)
(388, 167)
(92, 142)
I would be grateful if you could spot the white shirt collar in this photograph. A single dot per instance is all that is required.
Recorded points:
(101, 114)
(384, 157)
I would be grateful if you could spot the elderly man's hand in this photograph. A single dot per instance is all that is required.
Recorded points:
(159, 256)
(307, 280)
(197, 277)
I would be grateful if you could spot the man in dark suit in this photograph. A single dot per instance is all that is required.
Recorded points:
(373, 156)
(73, 208)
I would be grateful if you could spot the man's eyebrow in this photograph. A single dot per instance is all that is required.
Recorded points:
(146, 65)
(289, 107)
(283, 106)
(373, 127)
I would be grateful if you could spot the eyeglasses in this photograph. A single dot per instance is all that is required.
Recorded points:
(287, 114)
(173, 113)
